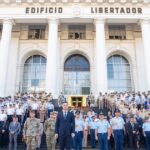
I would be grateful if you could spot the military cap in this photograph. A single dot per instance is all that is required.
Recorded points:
(65, 102)
(131, 116)
(32, 111)
(55, 112)
(14, 116)
(146, 118)
(101, 113)
(92, 116)
(44, 98)
(77, 112)
(84, 115)
(52, 113)
(117, 111)
(48, 95)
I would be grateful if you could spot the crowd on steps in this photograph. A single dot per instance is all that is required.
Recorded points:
(109, 121)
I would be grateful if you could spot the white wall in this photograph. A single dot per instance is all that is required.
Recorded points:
(22, 48)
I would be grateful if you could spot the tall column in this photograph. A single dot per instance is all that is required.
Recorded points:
(52, 55)
(100, 57)
(145, 26)
(4, 53)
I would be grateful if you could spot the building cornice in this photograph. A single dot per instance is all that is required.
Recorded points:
(74, 1)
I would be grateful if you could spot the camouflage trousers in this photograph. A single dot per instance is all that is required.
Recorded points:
(50, 141)
(31, 143)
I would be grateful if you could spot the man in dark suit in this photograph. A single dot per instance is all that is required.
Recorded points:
(132, 131)
(140, 122)
(3, 133)
(65, 127)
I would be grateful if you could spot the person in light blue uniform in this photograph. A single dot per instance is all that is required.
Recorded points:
(79, 126)
(103, 132)
(50, 108)
(92, 126)
(117, 123)
(146, 132)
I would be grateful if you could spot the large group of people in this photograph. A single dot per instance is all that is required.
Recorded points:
(119, 120)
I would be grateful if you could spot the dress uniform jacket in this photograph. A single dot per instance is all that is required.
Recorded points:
(3, 133)
(132, 137)
(130, 128)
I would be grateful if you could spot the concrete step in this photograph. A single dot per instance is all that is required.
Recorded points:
(21, 145)
(44, 148)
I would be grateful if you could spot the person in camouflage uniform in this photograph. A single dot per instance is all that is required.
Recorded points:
(49, 129)
(30, 131)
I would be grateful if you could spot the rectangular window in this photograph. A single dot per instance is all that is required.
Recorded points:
(36, 32)
(34, 82)
(117, 32)
(77, 32)
(85, 90)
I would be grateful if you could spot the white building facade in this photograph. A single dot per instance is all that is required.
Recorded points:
(74, 46)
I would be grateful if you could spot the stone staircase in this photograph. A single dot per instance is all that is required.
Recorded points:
(86, 109)
(22, 146)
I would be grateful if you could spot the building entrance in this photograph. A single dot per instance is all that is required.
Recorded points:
(77, 101)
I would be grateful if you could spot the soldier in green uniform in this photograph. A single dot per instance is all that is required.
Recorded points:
(49, 129)
(30, 131)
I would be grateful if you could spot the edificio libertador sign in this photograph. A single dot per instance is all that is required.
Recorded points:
(92, 10)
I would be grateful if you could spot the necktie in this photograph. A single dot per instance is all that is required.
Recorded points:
(65, 114)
